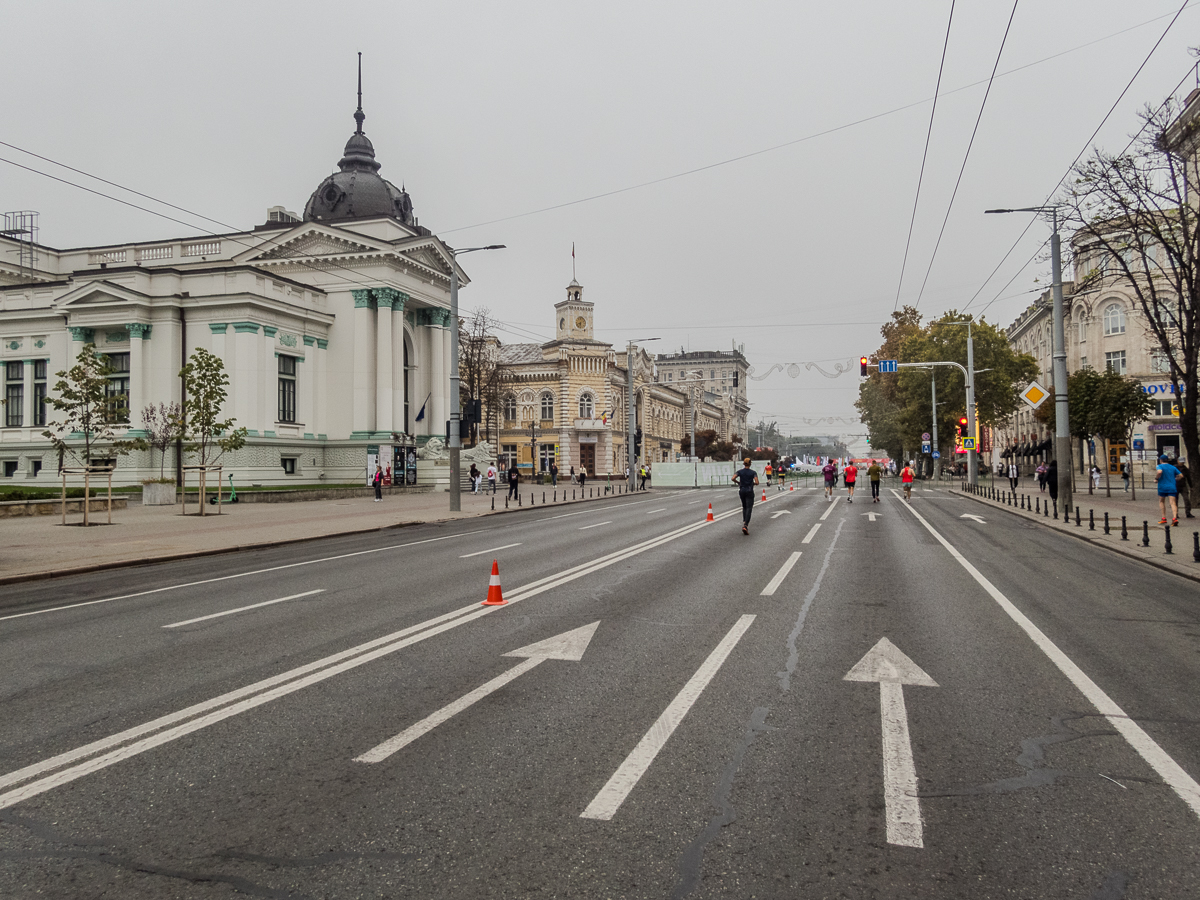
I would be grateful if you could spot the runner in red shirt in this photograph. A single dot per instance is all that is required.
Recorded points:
(906, 478)
(851, 477)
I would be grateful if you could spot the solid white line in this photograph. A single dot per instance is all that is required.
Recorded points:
(812, 533)
(780, 575)
(652, 511)
(597, 525)
(493, 550)
(230, 612)
(903, 807)
(430, 722)
(606, 803)
(1170, 771)
(832, 504)
(175, 587)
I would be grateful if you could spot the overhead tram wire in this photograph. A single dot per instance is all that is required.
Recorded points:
(967, 155)
(1087, 145)
(924, 157)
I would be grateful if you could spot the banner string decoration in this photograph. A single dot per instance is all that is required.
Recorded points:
(793, 370)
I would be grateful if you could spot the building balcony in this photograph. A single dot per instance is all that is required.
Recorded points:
(590, 425)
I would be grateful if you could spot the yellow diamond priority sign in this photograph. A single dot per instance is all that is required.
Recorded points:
(1034, 395)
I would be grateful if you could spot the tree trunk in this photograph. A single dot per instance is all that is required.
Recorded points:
(1107, 469)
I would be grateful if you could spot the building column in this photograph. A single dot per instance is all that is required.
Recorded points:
(308, 387)
(385, 299)
(565, 456)
(218, 339)
(268, 380)
(320, 373)
(27, 387)
(363, 419)
(138, 332)
(246, 365)
(439, 375)
(398, 393)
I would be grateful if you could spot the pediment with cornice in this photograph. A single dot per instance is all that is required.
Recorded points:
(100, 293)
(313, 244)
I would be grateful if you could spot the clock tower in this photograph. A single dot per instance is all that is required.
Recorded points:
(573, 316)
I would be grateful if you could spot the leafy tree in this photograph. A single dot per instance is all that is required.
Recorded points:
(1138, 228)
(162, 422)
(1117, 403)
(208, 436)
(88, 410)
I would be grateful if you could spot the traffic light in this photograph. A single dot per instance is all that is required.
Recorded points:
(637, 443)
(962, 426)
(862, 362)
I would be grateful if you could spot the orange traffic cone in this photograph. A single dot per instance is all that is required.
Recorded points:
(791, 487)
(764, 494)
(494, 597)
(710, 518)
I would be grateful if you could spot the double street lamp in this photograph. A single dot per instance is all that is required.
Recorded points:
(631, 412)
(454, 438)
(1062, 424)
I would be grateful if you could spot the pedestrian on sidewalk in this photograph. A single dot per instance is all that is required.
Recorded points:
(874, 473)
(851, 477)
(514, 480)
(906, 479)
(491, 475)
(1125, 475)
(1052, 479)
(573, 478)
(476, 479)
(1014, 475)
(829, 470)
(1041, 476)
(1095, 479)
(582, 477)
(1168, 478)
(377, 480)
(553, 473)
(746, 479)
(1186, 488)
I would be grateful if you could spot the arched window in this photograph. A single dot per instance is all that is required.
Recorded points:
(510, 408)
(547, 406)
(1114, 319)
(587, 406)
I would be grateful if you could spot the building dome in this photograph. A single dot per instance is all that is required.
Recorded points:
(357, 191)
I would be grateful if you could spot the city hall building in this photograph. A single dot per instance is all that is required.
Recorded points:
(333, 328)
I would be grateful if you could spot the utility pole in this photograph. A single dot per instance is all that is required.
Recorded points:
(933, 390)
(972, 457)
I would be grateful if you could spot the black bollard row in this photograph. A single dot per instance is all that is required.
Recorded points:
(1056, 510)
(1167, 543)
(1091, 520)
(1145, 533)
(493, 502)
(1077, 522)
(1196, 546)
(1124, 530)
(1037, 505)
(1106, 531)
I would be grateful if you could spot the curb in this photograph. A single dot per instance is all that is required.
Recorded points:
(264, 545)
(1108, 545)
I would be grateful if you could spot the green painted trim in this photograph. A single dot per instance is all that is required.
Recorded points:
(245, 327)
(86, 335)
(251, 432)
(139, 329)
(218, 327)
(322, 437)
(268, 434)
(269, 331)
(362, 299)
(381, 436)
(137, 433)
(322, 344)
(308, 436)
(309, 340)
(360, 435)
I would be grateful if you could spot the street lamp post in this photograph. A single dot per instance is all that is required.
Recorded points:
(631, 413)
(1062, 423)
(454, 438)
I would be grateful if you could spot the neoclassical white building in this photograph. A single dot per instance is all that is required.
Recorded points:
(333, 328)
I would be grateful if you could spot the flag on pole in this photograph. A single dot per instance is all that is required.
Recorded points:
(421, 414)
(604, 418)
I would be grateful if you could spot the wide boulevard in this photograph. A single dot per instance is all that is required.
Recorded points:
(932, 699)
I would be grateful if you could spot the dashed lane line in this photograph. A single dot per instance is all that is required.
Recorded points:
(230, 612)
(775, 582)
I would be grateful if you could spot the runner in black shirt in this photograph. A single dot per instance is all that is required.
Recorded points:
(746, 479)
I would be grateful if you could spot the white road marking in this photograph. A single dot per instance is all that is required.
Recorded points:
(885, 664)
(606, 803)
(652, 511)
(812, 533)
(775, 582)
(570, 645)
(1170, 771)
(597, 525)
(782, 512)
(268, 689)
(230, 612)
(871, 516)
(176, 587)
(493, 550)
(978, 519)
(832, 504)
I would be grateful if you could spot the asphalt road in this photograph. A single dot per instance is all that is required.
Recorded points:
(340, 718)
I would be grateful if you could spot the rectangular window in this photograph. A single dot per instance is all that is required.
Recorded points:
(1162, 407)
(14, 394)
(1115, 362)
(288, 462)
(40, 367)
(1158, 361)
(508, 455)
(116, 394)
(287, 390)
(10, 468)
(1083, 363)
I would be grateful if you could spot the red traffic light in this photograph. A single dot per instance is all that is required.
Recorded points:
(862, 362)
(962, 426)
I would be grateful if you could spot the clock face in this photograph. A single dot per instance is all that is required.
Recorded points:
(581, 322)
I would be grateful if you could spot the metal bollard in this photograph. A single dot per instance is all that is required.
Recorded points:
(1196, 546)
(1145, 533)
(1124, 530)
(518, 498)
(506, 501)
(1056, 510)
(1106, 530)
(1167, 543)
(1091, 520)
(1066, 516)
(1077, 522)
(493, 502)
(1037, 503)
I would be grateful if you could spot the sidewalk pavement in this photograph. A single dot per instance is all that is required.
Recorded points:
(40, 547)
(1145, 508)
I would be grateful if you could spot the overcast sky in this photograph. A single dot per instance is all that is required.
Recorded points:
(487, 111)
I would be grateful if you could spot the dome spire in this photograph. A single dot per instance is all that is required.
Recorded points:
(359, 115)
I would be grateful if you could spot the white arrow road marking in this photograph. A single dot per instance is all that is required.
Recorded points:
(832, 504)
(1170, 771)
(493, 550)
(570, 645)
(871, 516)
(230, 612)
(780, 575)
(782, 512)
(597, 525)
(606, 803)
(812, 533)
(892, 669)
(978, 519)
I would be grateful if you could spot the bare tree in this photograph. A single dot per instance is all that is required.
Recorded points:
(162, 423)
(483, 376)
(1136, 219)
